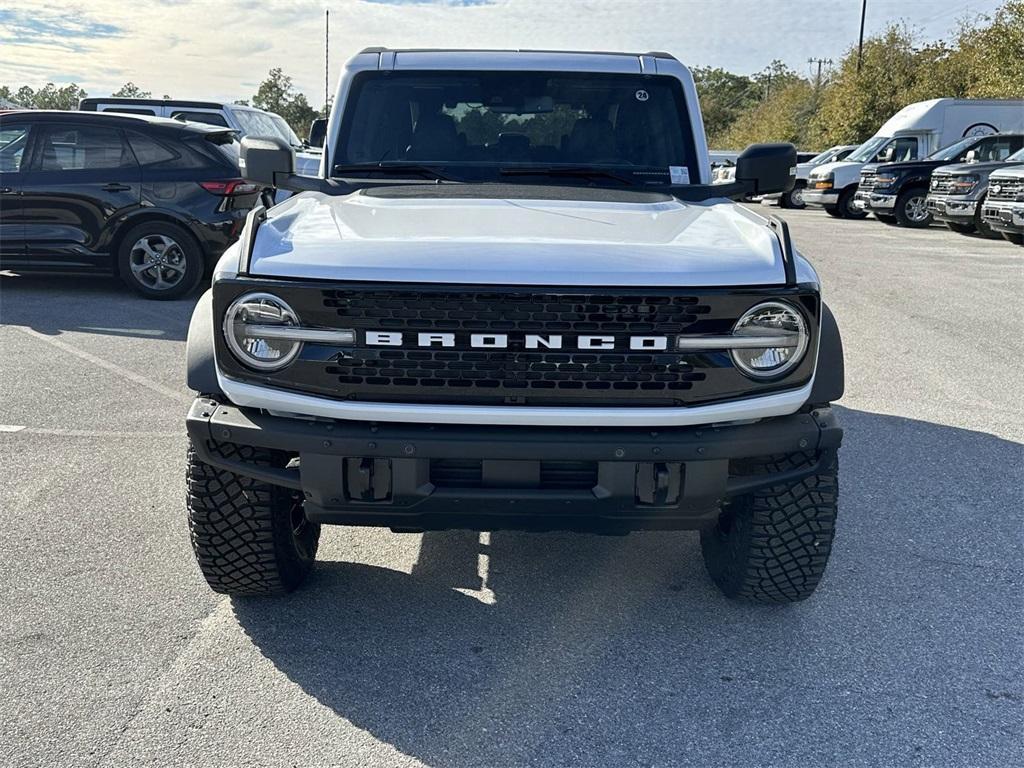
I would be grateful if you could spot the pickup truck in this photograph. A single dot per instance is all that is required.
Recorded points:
(514, 300)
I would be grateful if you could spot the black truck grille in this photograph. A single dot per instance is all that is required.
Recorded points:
(1005, 189)
(867, 181)
(517, 374)
(548, 313)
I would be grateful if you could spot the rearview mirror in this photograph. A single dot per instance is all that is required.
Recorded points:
(767, 168)
(317, 132)
(266, 160)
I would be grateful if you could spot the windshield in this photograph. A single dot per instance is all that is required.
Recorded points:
(868, 149)
(480, 126)
(1016, 157)
(256, 123)
(951, 152)
(285, 130)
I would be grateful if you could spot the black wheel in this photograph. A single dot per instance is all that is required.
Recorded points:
(831, 210)
(886, 219)
(1013, 237)
(847, 210)
(794, 198)
(962, 229)
(772, 545)
(160, 260)
(250, 538)
(912, 209)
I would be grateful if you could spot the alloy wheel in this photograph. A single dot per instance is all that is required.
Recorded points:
(158, 262)
(916, 209)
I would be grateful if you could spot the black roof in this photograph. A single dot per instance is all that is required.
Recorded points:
(115, 118)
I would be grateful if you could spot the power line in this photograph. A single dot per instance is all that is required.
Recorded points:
(819, 62)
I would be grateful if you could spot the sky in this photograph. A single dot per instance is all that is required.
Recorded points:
(222, 49)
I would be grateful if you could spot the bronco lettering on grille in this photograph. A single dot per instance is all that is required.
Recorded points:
(529, 341)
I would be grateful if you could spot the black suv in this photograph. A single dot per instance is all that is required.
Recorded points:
(155, 201)
(897, 192)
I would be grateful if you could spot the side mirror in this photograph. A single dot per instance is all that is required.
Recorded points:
(266, 160)
(317, 132)
(767, 168)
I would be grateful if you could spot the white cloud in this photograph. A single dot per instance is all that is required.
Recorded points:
(205, 49)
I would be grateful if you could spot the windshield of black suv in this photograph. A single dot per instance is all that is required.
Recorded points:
(504, 126)
(987, 149)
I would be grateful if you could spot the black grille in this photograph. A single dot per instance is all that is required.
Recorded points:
(465, 370)
(1006, 189)
(545, 475)
(867, 181)
(548, 313)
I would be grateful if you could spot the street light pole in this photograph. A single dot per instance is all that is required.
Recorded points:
(860, 45)
(327, 58)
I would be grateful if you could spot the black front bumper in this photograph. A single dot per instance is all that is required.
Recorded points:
(422, 477)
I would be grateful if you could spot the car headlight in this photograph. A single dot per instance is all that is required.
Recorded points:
(256, 330)
(824, 181)
(884, 181)
(783, 330)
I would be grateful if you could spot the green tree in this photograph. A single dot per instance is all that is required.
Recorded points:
(784, 116)
(724, 96)
(131, 91)
(855, 103)
(277, 94)
(993, 53)
(52, 97)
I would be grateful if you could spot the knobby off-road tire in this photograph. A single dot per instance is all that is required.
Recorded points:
(250, 538)
(772, 545)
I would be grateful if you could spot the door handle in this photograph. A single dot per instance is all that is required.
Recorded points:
(116, 187)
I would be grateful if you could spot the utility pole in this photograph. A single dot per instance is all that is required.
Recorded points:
(327, 59)
(860, 45)
(768, 86)
(819, 62)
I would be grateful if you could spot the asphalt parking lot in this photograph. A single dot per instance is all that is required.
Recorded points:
(510, 649)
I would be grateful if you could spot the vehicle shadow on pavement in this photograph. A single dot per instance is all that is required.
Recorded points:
(100, 305)
(587, 650)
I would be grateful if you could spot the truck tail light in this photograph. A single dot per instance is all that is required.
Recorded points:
(230, 187)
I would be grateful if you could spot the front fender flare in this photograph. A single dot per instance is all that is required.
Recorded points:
(200, 361)
(830, 376)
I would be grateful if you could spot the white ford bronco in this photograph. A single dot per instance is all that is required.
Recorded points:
(512, 299)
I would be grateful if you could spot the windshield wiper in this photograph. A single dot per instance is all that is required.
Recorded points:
(427, 171)
(570, 171)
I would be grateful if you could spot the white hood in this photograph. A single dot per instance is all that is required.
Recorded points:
(517, 242)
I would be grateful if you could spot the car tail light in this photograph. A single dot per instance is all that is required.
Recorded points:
(230, 187)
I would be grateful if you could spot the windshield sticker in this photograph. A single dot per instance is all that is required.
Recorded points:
(642, 95)
(679, 174)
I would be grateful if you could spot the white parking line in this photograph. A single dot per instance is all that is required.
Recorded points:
(10, 428)
(99, 362)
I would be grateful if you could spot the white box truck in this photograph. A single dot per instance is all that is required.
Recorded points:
(913, 133)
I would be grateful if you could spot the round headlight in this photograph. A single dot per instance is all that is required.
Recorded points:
(785, 334)
(253, 328)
